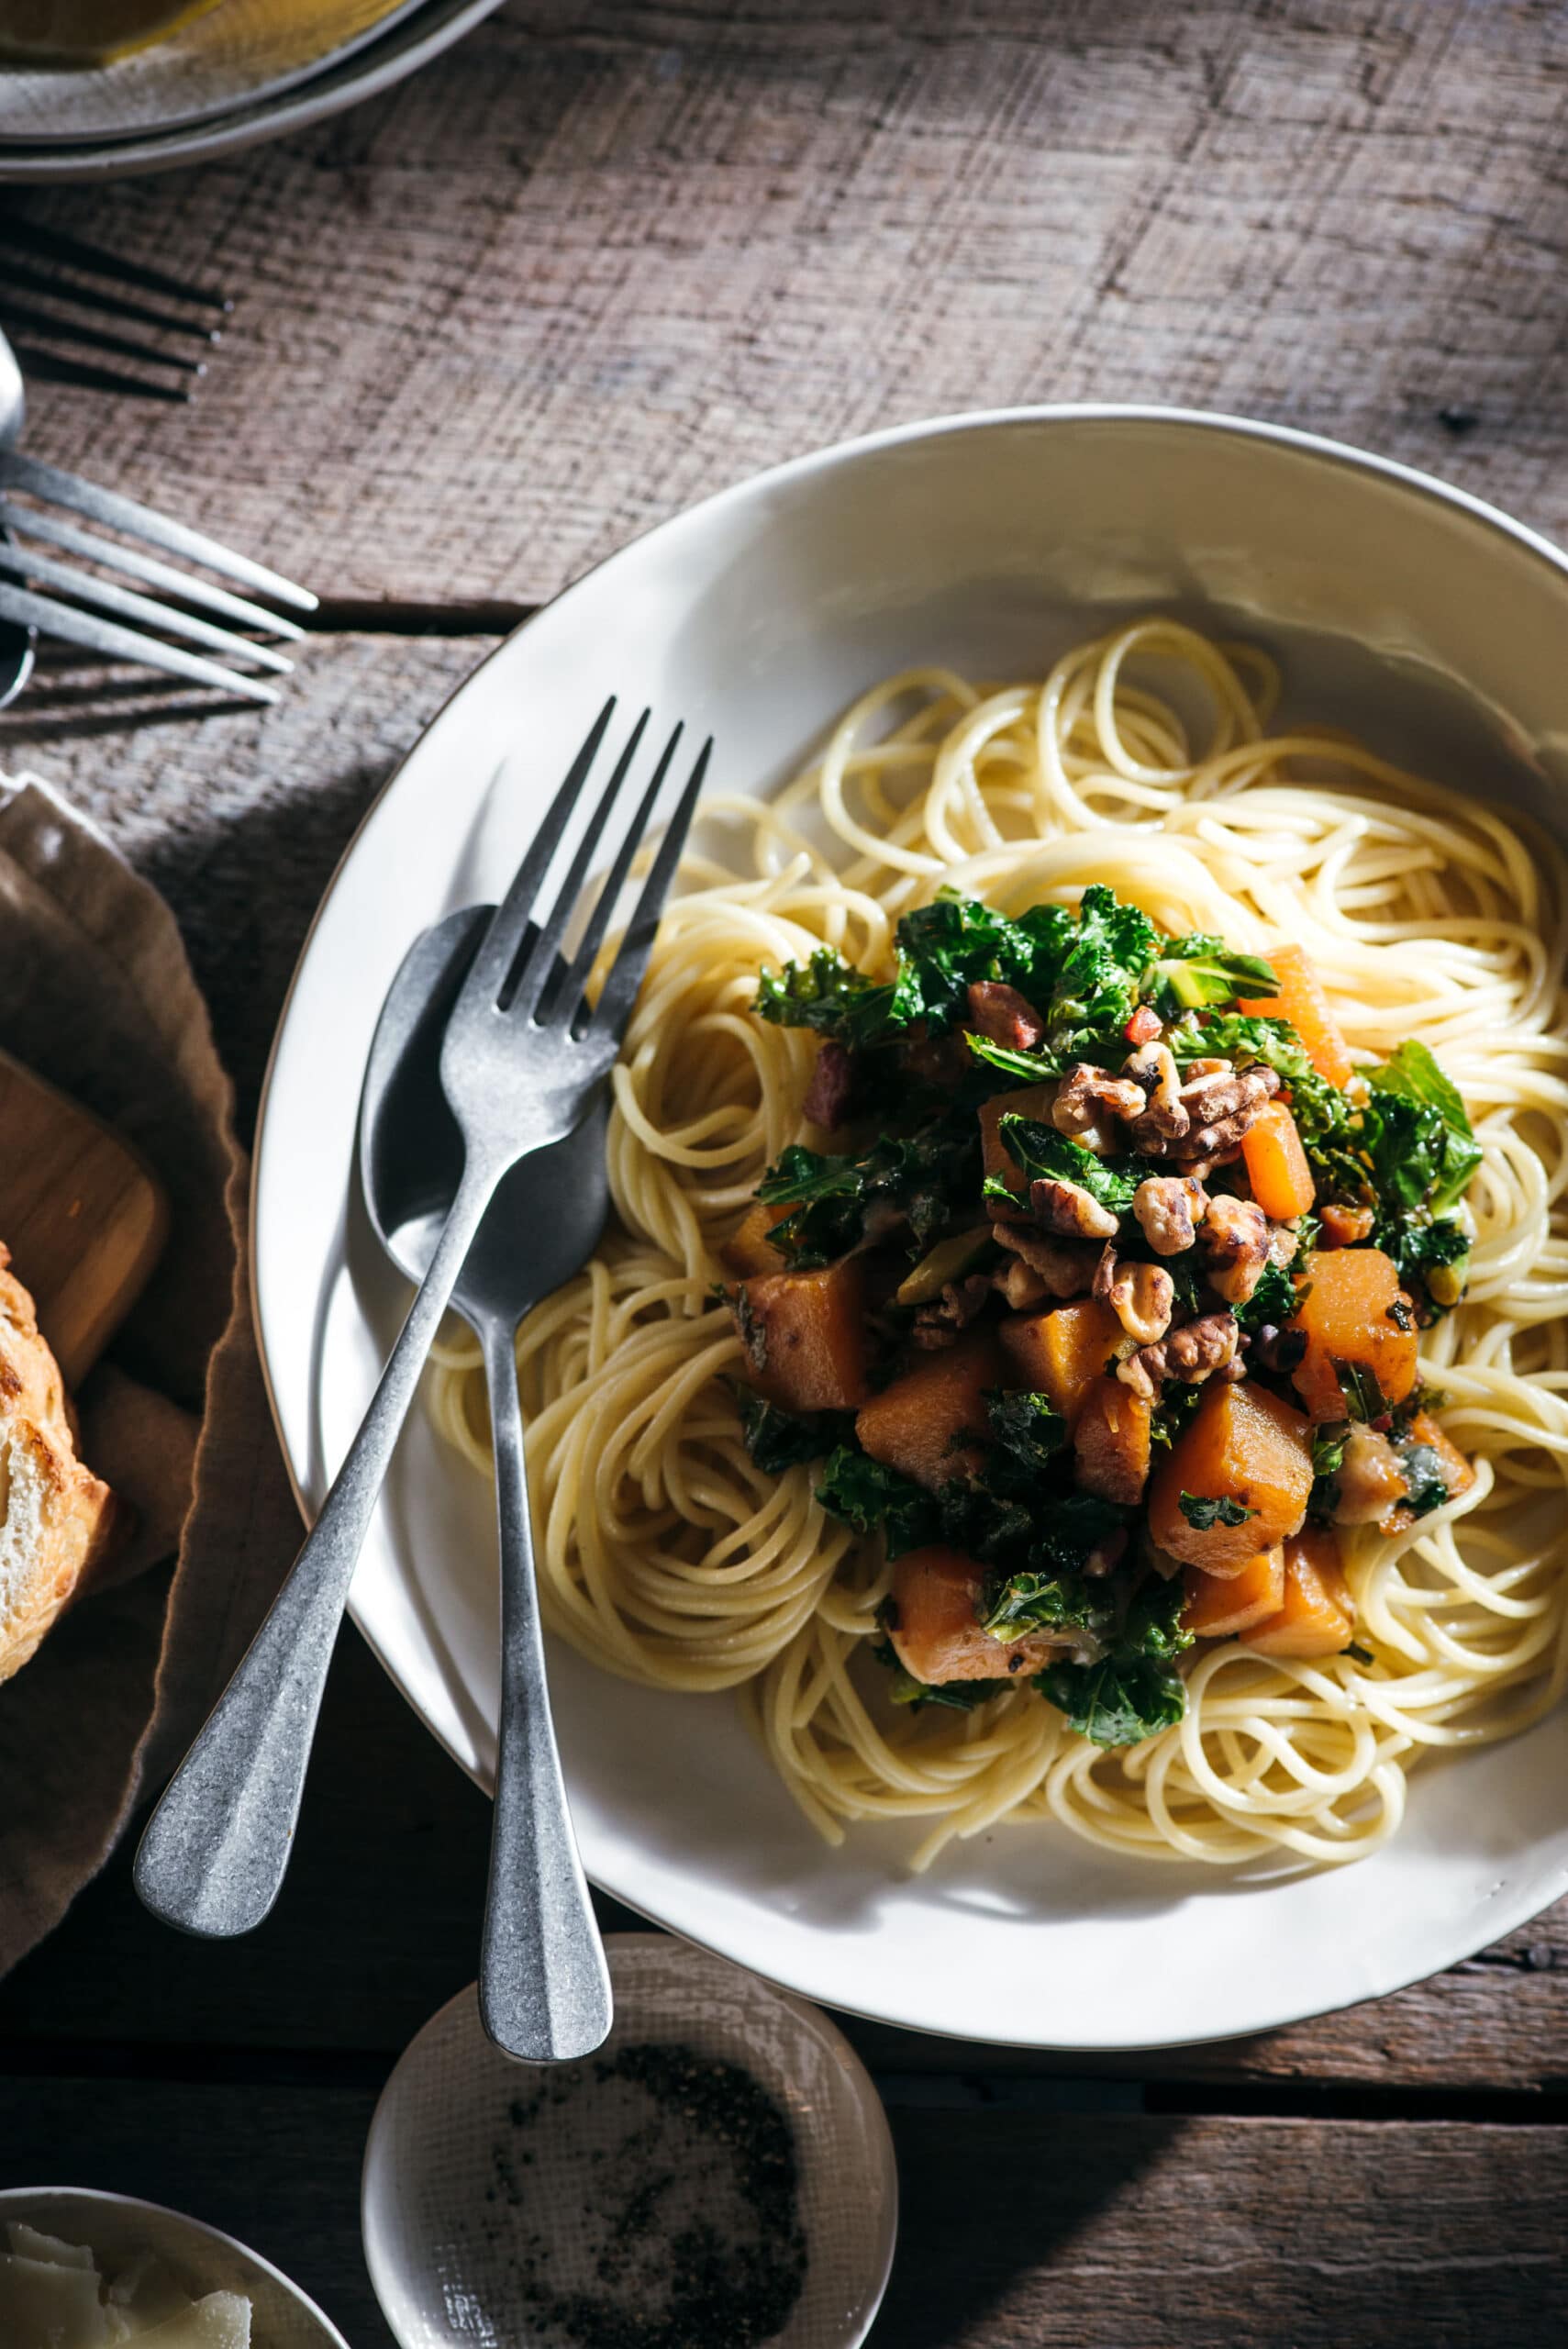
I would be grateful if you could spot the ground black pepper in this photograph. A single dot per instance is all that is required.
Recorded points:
(681, 2228)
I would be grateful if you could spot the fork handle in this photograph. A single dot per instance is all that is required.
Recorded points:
(214, 1855)
(544, 1988)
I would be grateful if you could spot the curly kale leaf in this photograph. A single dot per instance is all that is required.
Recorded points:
(1028, 1603)
(1364, 1399)
(777, 1439)
(1272, 1302)
(920, 1179)
(863, 1495)
(1327, 1458)
(1203, 1513)
(1417, 1135)
(1199, 970)
(1423, 1471)
(1153, 1625)
(1041, 1152)
(1029, 1431)
(1120, 1701)
(830, 995)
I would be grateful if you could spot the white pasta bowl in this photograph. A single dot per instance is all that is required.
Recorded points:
(1429, 623)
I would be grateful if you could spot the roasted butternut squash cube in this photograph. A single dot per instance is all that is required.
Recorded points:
(1277, 1170)
(936, 1631)
(1316, 1614)
(805, 1337)
(1354, 1311)
(1111, 1441)
(749, 1250)
(1221, 1605)
(1452, 1466)
(1060, 1353)
(1032, 1101)
(1303, 1000)
(930, 1423)
(1242, 1445)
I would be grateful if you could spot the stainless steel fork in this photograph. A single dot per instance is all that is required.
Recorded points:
(34, 497)
(523, 1055)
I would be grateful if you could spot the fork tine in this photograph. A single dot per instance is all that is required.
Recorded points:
(43, 570)
(106, 505)
(625, 973)
(499, 946)
(574, 981)
(28, 610)
(30, 522)
(534, 972)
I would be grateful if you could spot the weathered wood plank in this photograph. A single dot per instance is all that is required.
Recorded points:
(1085, 2228)
(590, 267)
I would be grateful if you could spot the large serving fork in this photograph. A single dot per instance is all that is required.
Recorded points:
(523, 1057)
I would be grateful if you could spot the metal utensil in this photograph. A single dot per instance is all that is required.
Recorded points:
(56, 291)
(522, 1056)
(48, 494)
(543, 1987)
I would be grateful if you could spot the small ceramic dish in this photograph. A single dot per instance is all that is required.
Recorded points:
(496, 2193)
(118, 2229)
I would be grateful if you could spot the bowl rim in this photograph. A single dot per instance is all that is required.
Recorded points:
(808, 2016)
(1492, 1926)
(103, 2194)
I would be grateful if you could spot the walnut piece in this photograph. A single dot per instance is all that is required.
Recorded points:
(1169, 1207)
(1086, 1094)
(1164, 1117)
(1221, 1108)
(1142, 1297)
(938, 1324)
(1192, 1354)
(1236, 1243)
(1061, 1268)
(1069, 1211)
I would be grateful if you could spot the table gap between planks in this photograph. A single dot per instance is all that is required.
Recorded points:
(595, 263)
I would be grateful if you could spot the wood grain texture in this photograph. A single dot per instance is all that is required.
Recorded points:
(82, 1215)
(1312, 2235)
(597, 263)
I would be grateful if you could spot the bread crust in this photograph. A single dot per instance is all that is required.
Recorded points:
(58, 1522)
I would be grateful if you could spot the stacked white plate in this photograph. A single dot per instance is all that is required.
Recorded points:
(248, 71)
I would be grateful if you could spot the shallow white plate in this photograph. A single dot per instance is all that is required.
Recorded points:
(992, 541)
(118, 2227)
(448, 2212)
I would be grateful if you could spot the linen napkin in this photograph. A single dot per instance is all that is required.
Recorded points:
(97, 996)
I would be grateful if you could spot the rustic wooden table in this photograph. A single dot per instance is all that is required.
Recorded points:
(591, 266)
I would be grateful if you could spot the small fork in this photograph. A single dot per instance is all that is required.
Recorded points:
(523, 1057)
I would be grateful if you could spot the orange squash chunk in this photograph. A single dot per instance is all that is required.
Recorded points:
(1455, 1469)
(1346, 1317)
(1317, 1614)
(1241, 1445)
(934, 1629)
(1277, 1165)
(748, 1250)
(931, 1424)
(1111, 1441)
(806, 1338)
(1059, 1353)
(1033, 1101)
(1303, 1001)
(1219, 1605)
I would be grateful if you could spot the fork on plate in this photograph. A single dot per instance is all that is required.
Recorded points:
(524, 1056)
(41, 514)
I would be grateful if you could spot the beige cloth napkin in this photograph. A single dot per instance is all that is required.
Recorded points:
(97, 996)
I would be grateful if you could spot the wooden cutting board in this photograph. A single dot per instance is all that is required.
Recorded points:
(84, 1216)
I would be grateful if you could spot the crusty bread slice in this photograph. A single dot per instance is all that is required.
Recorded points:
(57, 1519)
